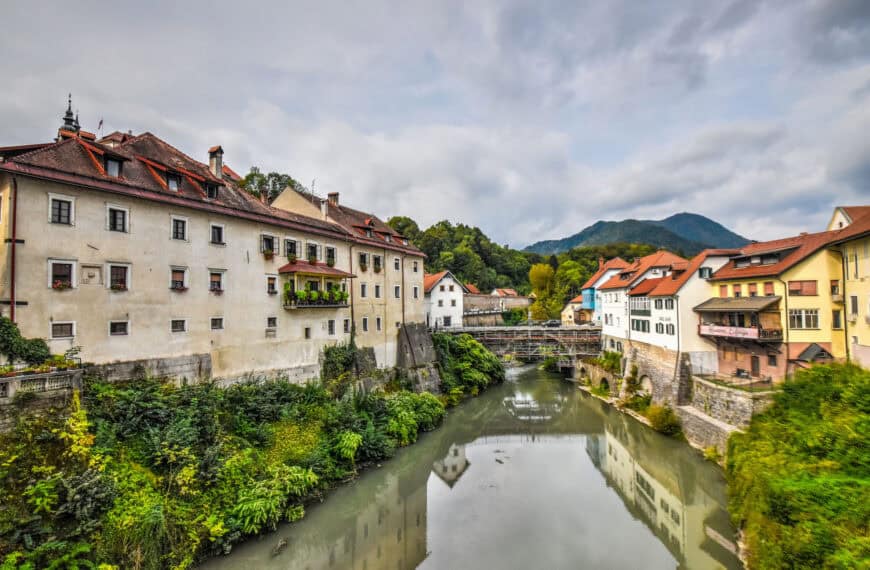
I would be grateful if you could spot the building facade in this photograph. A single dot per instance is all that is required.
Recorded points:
(444, 300)
(852, 246)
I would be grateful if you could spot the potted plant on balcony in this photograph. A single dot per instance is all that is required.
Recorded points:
(268, 253)
(312, 259)
(60, 285)
(291, 258)
(314, 297)
(377, 268)
(363, 266)
(330, 261)
(118, 287)
(302, 297)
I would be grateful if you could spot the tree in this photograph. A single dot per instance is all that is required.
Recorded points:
(268, 185)
(548, 303)
(405, 226)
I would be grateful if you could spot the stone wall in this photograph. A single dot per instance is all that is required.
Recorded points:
(36, 394)
(296, 375)
(593, 375)
(667, 371)
(730, 405)
(482, 320)
(418, 359)
(183, 369)
(703, 431)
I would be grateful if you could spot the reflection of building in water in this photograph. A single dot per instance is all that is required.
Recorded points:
(450, 468)
(387, 534)
(693, 525)
(525, 408)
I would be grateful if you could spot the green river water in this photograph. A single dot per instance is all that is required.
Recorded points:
(532, 474)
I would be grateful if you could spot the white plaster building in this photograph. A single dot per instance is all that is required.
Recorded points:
(444, 300)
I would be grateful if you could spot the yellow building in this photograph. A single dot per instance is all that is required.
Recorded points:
(853, 247)
(776, 307)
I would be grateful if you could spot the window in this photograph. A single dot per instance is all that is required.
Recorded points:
(671, 329)
(173, 181)
(669, 304)
(658, 303)
(290, 248)
(307, 332)
(738, 290)
(330, 256)
(835, 286)
(802, 288)
(363, 290)
(178, 325)
(117, 219)
(451, 288)
(119, 328)
(347, 326)
(660, 328)
(448, 321)
(837, 319)
(771, 360)
(416, 292)
(365, 324)
(63, 329)
(440, 302)
(377, 261)
(853, 304)
(397, 291)
(118, 277)
(61, 211)
(267, 243)
(271, 285)
(441, 288)
(803, 318)
(378, 323)
(723, 290)
(61, 274)
(217, 323)
(178, 279)
(330, 327)
(179, 229)
(312, 251)
(452, 302)
(363, 261)
(768, 288)
(753, 289)
(211, 191)
(113, 167)
(271, 322)
(705, 272)
(396, 263)
(217, 234)
(377, 291)
(415, 267)
(215, 281)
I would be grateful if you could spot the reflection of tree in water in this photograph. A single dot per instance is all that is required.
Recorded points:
(663, 484)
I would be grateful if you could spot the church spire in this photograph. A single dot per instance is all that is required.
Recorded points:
(70, 121)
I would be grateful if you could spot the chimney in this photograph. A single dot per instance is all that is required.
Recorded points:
(333, 198)
(216, 161)
(600, 262)
(324, 208)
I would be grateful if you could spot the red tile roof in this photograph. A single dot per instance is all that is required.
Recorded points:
(432, 279)
(307, 268)
(615, 263)
(792, 249)
(674, 282)
(146, 159)
(645, 286)
(577, 299)
(472, 288)
(859, 227)
(638, 267)
(506, 293)
(855, 212)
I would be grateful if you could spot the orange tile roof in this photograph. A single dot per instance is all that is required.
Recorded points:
(432, 279)
(645, 286)
(859, 227)
(855, 212)
(615, 263)
(507, 293)
(577, 299)
(797, 247)
(638, 267)
(318, 268)
(472, 288)
(674, 282)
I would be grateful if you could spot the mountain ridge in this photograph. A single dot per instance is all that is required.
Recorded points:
(684, 232)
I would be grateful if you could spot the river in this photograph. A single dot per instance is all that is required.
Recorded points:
(532, 474)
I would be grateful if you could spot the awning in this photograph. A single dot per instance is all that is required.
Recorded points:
(306, 268)
(814, 352)
(726, 304)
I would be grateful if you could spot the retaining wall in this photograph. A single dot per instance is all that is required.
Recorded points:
(189, 368)
(730, 405)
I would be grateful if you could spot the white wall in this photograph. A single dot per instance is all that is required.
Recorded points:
(445, 300)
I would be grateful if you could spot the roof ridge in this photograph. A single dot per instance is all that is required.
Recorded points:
(172, 148)
(50, 146)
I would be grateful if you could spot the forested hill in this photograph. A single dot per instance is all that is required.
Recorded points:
(683, 233)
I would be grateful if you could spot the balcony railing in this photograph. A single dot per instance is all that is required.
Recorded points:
(749, 333)
(837, 297)
(319, 304)
(641, 312)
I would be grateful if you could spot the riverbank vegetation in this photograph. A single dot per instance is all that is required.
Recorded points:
(799, 478)
(465, 365)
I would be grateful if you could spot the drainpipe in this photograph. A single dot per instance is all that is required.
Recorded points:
(12, 297)
(677, 364)
(785, 325)
(845, 319)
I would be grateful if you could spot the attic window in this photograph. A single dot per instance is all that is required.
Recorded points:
(744, 262)
(769, 258)
(113, 167)
(389, 238)
(755, 259)
(211, 190)
(173, 182)
(368, 232)
(705, 272)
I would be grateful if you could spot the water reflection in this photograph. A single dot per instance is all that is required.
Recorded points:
(532, 474)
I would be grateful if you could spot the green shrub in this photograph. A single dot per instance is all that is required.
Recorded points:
(711, 453)
(466, 364)
(663, 419)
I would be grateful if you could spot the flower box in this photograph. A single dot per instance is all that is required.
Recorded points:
(118, 288)
(268, 253)
(179, 289)
(217, 291)
(61, 285)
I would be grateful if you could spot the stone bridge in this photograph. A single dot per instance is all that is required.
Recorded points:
(534, 343)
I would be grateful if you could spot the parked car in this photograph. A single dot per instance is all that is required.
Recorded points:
(552, 323)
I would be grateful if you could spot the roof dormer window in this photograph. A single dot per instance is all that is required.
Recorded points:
(113, 167)
(369, 232)
(211, 190)
(388, 238)
(173, 181)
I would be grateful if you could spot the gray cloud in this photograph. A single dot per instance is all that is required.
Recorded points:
(531, 120)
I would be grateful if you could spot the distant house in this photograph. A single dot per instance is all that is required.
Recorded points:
(585, 309)
(504, 293)
(444, 299)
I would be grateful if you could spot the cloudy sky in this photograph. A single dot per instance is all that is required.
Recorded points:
(528, 119)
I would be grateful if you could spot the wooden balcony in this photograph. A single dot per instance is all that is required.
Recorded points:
(297, 304)
(748, 333)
